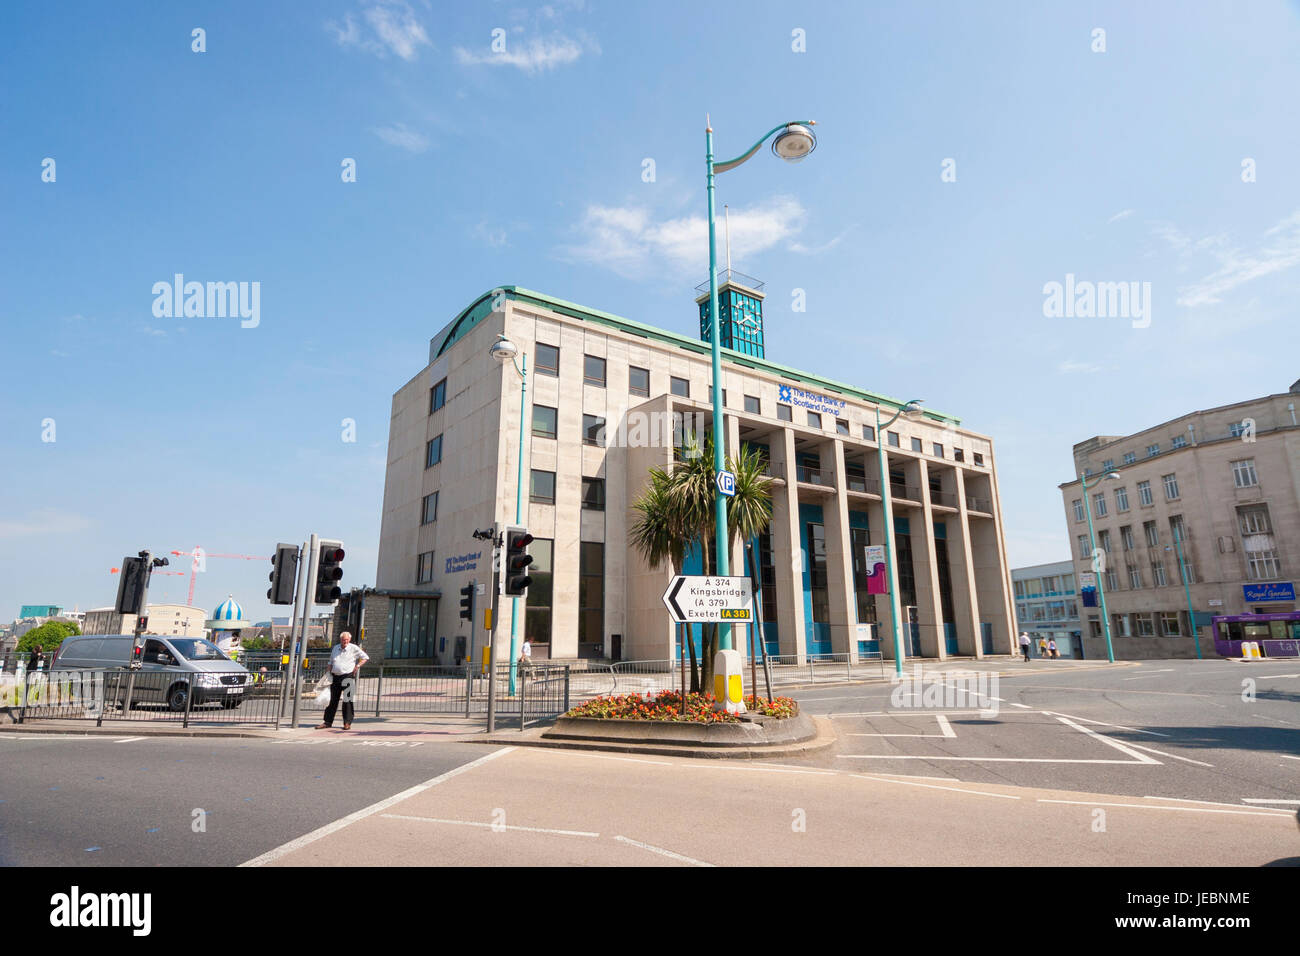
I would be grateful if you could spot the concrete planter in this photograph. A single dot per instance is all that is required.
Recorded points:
(756, 732)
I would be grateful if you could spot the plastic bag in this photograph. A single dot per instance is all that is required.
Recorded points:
(323, 697)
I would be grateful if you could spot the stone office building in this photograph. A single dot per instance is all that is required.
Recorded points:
(599, 390)
(1221, 486)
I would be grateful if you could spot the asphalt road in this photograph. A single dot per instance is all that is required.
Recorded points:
(1210, 730)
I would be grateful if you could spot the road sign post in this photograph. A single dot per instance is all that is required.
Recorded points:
(694, 599)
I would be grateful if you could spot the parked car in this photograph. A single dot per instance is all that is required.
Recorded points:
(171, 668)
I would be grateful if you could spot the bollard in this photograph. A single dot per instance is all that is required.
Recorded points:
(848, 668)
(469, 686)
(566, 689)
(379, 690)
(523, 698)
(189, 702)
(22, 709)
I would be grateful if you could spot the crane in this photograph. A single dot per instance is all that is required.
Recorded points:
(200, 556)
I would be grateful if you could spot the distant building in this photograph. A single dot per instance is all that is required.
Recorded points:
(40, 610)
(1221, 486)
(165, 619)
(1047, 606)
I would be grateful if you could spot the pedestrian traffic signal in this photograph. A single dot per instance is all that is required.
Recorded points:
(329, 573)
(467, 603)
(131, 585)
(517, 561)
(137, 653)
(283, 574)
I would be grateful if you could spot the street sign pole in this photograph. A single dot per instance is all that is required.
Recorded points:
(298, 596)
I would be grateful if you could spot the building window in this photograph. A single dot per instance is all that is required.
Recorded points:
(591, 593)
(724, 396)
(1177, 530)
(410, 628)
(537, 605)
(593, 370)
(1169, 625)
(1145, 627)
(1134, 578)
(544, 421)
(814, 420)
(1085, 548)
(1144, 493)
(1099, 504)
(433, 451)
(437, 396)
(1126, 537)
(866, 603)
(424, 568)
(1152, 534)
(681, 386)
(1178, 441)
(841, 427)
(548, 360)
(543, 488)
(1078, 509)
(1112, 579)
(638, 381)
(979, 459)
(958, 454)
(1171, 487)
(1153, 450)
(1108, 464)
(430, 511)
(785, 413)
(1254, 520)
(1263, 565)
(869, 432)
(916, 444)
(1237, 429)
(593, 494)
(1130, 457)
(1158, 574)
(938, 450)
(593, 430)
(818, 579)
(893, 439)
(1121, 499)
(753, 405)
(1103, 538)
(1243, 473)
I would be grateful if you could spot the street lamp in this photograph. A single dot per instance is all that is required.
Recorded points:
(503, 350)
(1105, 615)
(910, 409)
(1187, 591)
(794, 142)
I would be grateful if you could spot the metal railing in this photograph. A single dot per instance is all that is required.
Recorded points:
(943, 498)
(860, 483)
(813, 476)
(975, 503)
(899, 490)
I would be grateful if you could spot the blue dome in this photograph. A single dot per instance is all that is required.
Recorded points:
(228, 610)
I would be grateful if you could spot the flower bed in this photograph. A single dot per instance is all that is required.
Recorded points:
(667, 705)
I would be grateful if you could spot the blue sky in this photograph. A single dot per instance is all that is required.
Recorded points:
(477, 168)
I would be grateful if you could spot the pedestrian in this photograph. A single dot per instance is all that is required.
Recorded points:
(36, 660)
(345, 664)
(526, 653)
(1051, 649)
(1042, 647)
(1024, 645)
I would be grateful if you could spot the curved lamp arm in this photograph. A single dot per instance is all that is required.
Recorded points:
(733, 163)
(914, 404)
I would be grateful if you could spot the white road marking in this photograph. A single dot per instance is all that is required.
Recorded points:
(320, 832)
(126, 740)
(1102, 723)
(661, 851)
(944, 727)
(933, 786)
(1212, 803)
(1025, 706)
(489, 826)
(1147, 806)
(1269, 800)
(1148, 674)
(1142, 758)
(1289, 756)
(1161, 753)
(907, 713)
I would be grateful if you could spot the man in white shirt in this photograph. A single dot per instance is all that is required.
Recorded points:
(345, 664)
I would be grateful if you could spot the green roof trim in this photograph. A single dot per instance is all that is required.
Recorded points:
(481, 307)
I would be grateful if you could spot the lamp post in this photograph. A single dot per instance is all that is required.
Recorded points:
(1092, 537)
(504, 350)
(796, 140)
(909, 409)
(1187, 591)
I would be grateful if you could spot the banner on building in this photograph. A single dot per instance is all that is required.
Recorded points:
(877, 580)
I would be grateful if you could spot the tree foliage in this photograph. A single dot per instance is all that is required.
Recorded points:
(48, 635)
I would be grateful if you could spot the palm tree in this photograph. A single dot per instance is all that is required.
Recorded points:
(677, 511)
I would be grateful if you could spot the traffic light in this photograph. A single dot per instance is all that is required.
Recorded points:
(284, 574)
(137, 653)
(517, 561)
(131, 585)
(329, 573)
(467, 603)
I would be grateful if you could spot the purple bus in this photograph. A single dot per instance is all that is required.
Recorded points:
(1278, 634)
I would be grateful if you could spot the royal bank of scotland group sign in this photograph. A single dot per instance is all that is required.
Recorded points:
(789, 395)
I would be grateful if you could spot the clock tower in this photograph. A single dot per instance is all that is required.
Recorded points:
(740, 313)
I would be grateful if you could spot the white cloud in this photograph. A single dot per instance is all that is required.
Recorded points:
(494, 236)
(393, 28)
(43, 521)
(147, 330)
(630, 241)
(399, 135)
(1122, 214)
(536, 55)
(1278, 251)
(1069, 366)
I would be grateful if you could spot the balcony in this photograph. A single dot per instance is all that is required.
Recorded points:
(943, 499)
(982, 505)
(863, 485)
(906, 492)
(809, 475)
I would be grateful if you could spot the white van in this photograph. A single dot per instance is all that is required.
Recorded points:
(170, 667)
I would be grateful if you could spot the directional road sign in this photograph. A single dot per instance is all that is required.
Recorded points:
(692, 599)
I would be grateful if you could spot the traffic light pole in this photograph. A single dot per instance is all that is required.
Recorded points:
(299, 595)
(498, 578)
(300, 654)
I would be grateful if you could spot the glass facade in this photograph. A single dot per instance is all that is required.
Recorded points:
(537, 613)
(410, 627)
(740, 321)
